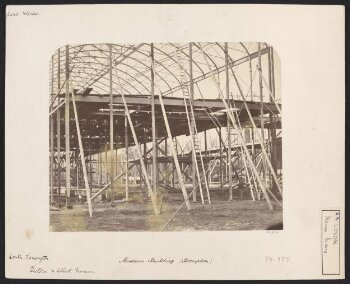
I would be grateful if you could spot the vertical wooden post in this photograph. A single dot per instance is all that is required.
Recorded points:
(273, 150)
(206, 156)
(154, 146)
(138, 148)
(106, 158)
(173, 170)
(59, 130)
(269, 71)
(173, 150)
(76, 157)
(261, 107)
(228, 125)
(267, 160)
(269, 130)
(67, 132)
(51, 135)
(100, 167)
(51, 159)
(252, 99)
(126, 160)
(82, 156)
(145, 161)
(273, 73)
(166, 163)
(90, 166)
(58, 156)
(194, 195)
(111, 134)
(115, 156)
(157, 164)
(220, 161)
(104, 195)
(236, 128)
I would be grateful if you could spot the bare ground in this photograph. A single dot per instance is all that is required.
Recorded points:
(136, 215)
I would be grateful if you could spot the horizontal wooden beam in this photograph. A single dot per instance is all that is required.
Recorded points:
(214, 104)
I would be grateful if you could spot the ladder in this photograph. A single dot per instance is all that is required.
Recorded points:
(175, 146)
(192, 123)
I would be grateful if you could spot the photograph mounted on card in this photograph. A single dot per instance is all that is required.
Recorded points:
(146, 142)
(196, 131)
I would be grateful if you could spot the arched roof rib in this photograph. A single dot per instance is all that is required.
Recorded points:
(157, 62)
(116, 61)
(89, 65)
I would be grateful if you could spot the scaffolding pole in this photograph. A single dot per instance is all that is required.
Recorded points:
(262, 128)
(166, 164)
(111, 134)
(220, 161)
(206, 155)
(90, 166)
(127, 160)
(58, 157)
(177, 165)
(194, 197)
(138, 148)
(67, 132)
(59, 130)
(271, 89)
(267, 198)
(253, 124)
(228, 124)
(243, 156)
(51, 138)
(82, 157)
(259, 137)
(191, 121)
(154, 131)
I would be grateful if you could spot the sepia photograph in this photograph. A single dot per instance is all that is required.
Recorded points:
(165, 137)
(145, 142)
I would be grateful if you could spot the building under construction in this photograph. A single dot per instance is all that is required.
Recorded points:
(165, 136)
